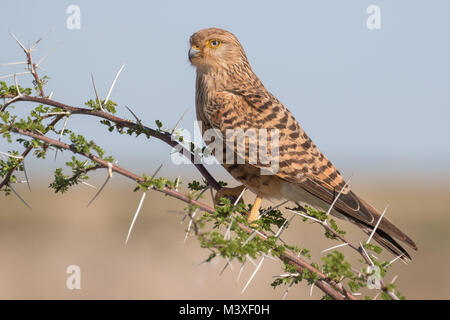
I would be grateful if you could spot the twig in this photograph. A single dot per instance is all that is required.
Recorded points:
(96, 94)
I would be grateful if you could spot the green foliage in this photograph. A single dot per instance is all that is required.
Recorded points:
(334, 226)
(11, 163)
(62, 183)
(109, 106)
(156, 183)
(320, 215)
(373, 248)
(12, 89)
(196, 186)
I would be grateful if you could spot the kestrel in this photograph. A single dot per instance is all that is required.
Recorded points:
(229, 96)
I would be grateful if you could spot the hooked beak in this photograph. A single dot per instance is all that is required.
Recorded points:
(193, 52)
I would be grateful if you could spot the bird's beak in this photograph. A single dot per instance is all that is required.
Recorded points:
(193, 52)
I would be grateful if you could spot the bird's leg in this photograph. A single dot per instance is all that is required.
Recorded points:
(254, 213)
(229, 193)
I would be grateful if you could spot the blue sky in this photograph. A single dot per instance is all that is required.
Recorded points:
(374, 101)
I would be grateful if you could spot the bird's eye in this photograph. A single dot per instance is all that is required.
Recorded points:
(213, 43)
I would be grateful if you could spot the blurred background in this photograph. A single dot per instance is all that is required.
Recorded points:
(376, 102)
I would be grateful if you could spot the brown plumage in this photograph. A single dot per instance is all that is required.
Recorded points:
(230, 96)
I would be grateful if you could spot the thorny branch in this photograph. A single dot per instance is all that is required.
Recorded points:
(332, 288)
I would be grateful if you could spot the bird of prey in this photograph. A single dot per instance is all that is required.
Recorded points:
(229, 96)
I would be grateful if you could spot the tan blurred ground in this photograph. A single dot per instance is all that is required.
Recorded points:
(37, 245)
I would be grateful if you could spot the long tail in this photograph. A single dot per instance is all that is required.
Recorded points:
(362, 214)
(386, 231)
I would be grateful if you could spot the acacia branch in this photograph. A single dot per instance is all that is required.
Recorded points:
(163, 136)
(327, 285)
(358, 248)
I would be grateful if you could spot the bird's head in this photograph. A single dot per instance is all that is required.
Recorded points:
(215, 48)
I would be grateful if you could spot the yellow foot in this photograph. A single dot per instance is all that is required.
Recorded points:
(254, 213)
(229, 193)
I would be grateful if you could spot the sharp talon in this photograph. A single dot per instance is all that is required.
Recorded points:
(229, 193)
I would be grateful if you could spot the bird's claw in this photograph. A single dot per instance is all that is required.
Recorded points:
(230, 193)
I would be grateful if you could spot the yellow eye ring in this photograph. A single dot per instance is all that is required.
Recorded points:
(213, 43)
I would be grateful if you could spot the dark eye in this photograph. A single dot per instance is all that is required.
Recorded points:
(214, 43)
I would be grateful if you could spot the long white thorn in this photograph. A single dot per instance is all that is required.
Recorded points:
(228, 232)
(89, 185)
(228, 263)
(251, 260)
(240, 196)
(9, 102)
(177, 184)
(335, 247)
(41, 68)
(139, 122)
(287, 290)
(253, 274)
(17, 86)
(20, 43)
(311, 290)
(365, 252)
(65, 113)
(11, 155)
(336, 199)
(394, 278)
(393, 295)
(376, 226)
(190, 225)
(227, 235)
(286, 275)
(104, 184)
(39, 40)
(395, 259)
(179, 121)
(47, 54)
(306, 216)
(13, 63)
(249, 238)
(14, 74)
(114, 83)
(270, 257)
(283, 226)
(241, 269)
(61, 134)
(196, 198)
(135, 216)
